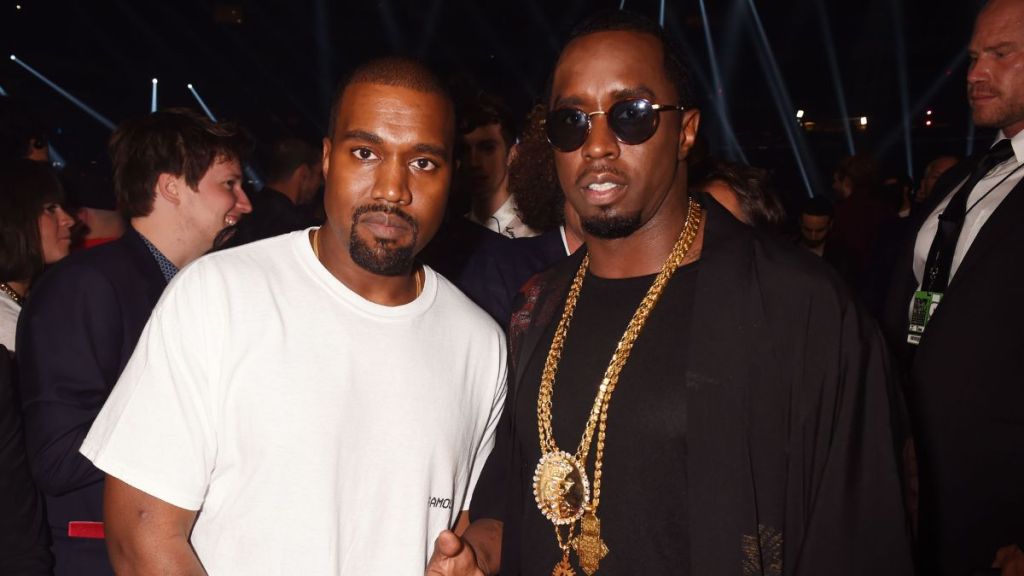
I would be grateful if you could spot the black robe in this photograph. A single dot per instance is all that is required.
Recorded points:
(791, 425)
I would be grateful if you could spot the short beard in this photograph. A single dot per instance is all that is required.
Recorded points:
(610, 227)
(382, 257)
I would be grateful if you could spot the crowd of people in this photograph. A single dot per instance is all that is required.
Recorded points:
(355, 368)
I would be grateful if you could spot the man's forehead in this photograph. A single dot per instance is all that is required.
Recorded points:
(225, 164)
(380, 107)
(619, 64)
(483, 133)
(1001, 21)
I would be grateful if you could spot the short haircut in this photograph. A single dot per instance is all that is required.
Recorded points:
(485, 109)
(861, 170)
(285, 156)
(390, 71)
(26, 186)
(625, 21)
(752, 188)
(818, 206)
(180, 142)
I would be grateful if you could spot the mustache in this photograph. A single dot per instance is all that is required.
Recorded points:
(387, 209)
(600, 169)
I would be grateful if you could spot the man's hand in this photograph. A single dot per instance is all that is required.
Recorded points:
(452, 557)
(1010, 559)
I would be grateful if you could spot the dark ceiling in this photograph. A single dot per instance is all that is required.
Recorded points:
(271, 64)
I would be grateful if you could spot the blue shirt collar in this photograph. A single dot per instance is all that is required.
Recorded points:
(167, 268)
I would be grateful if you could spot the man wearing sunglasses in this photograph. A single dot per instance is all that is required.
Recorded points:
(687, 395)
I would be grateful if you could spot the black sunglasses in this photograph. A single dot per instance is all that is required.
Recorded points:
(632, 121)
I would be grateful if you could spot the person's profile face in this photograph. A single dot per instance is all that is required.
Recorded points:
(387, 169)
(616, 186)
(995, 78)
(54, 226)
(218, 201)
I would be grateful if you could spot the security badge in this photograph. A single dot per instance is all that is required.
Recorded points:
(921, 311)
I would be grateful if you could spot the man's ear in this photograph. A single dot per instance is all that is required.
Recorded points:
(301, 174)
(513, 152)
(690, 122)
(326, 163)
(170, 187)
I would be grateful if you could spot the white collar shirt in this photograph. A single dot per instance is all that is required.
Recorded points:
(505, 221)
(987, 195)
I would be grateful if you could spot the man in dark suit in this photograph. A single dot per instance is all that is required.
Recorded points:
(955, 317)
(178, 179)
(293, 175)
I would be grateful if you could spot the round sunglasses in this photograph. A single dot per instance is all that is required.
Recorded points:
(633, 121)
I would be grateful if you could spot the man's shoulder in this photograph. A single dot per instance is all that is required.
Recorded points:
(264, 256)
(107, 265)
(785, 273)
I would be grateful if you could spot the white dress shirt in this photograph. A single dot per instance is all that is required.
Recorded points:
(506, 221)
(987, 195)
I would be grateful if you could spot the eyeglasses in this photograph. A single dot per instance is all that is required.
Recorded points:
(633, 121)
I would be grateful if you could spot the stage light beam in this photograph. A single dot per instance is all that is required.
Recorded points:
(783, 103)
(57, 88)
(202, 104)
(152, 96)
(833, 65)
(250, 173)
(719, 89)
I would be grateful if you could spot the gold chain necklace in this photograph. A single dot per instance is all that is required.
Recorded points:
(6, 289)
(560, 484)
(316, 254)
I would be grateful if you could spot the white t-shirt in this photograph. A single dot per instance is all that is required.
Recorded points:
(9, 312)
(318, 432)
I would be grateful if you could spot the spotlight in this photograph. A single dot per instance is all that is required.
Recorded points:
(928, 113)
(189, 86)
(155, 81)
(57, 88)
(927, 122)
(863, 120)
(799, 114)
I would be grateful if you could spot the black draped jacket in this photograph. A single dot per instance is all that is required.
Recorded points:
(793, 423)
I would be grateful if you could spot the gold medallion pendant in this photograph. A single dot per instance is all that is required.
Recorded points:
(560, 487)
(560, 483)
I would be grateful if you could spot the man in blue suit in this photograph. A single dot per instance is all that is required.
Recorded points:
(178, 181)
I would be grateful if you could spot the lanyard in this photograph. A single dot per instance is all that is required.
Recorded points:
(996, 185)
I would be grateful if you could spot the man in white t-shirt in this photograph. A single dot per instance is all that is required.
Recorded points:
(315, 403)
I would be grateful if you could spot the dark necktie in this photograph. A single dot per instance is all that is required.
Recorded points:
(940, 255)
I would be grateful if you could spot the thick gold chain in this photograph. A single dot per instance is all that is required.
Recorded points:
(598, 418)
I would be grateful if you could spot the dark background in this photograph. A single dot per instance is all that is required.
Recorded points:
(272, 65)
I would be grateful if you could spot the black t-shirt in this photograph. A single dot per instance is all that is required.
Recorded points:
(643, 492)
